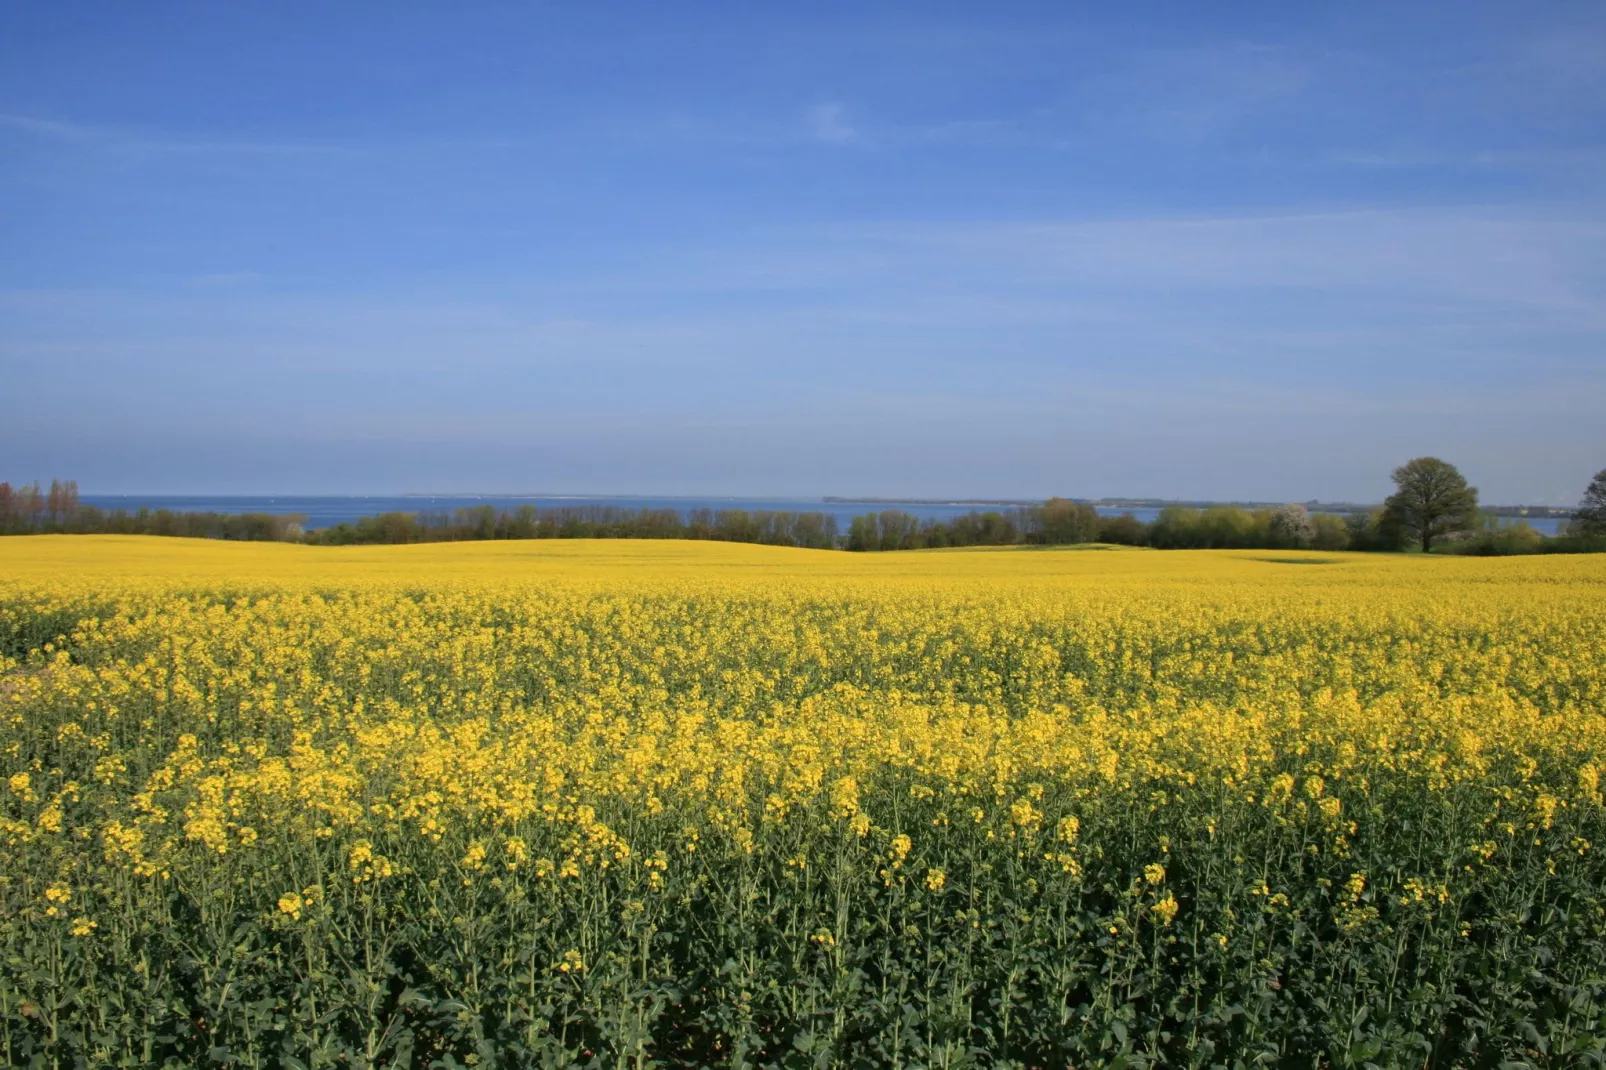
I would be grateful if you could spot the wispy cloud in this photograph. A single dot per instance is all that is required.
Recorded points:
(47, 127)
(93, 135)
(827, 122)
(1442, 263)
(1365, 336)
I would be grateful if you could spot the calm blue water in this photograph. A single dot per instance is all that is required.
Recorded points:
(323, 512)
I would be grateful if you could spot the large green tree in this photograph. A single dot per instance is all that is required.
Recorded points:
(1431, 499)
(1590, 516)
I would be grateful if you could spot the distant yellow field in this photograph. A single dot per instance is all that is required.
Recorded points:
(706, 803)
(75, 559)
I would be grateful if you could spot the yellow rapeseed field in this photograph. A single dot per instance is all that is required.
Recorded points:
(584, 803)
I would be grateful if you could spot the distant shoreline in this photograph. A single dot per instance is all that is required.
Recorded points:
(1536, 512)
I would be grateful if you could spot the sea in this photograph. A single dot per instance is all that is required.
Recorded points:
(324, 511)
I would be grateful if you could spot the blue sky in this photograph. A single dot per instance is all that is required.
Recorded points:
(1230, 250)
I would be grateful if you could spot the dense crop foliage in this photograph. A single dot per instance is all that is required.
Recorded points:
(634, 804)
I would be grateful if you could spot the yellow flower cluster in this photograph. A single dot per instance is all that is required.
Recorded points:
(554, 711)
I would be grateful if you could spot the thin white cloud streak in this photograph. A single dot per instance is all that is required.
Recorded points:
(827, 122)
(1409, 271)
(1436, 109)
(1494, 261)
(1553, 264)
(1497, 253)
(133, 139)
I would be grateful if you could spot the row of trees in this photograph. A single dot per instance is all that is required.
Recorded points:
(1432, 508)
(1218, 527)
(1057, 522)
(773, 528)
(1433, 504)
(29, 509)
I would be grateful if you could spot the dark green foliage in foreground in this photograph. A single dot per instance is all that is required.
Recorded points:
(1391, 916)
(1439, 960)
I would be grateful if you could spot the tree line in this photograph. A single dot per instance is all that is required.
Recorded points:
(32, 510)
(808, 530)
(1433, 509)
(29, 509)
